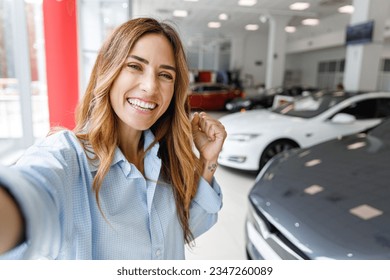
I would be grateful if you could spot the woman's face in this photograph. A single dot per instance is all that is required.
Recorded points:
(144, 88)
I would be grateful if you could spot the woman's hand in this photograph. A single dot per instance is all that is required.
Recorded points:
(209, 135)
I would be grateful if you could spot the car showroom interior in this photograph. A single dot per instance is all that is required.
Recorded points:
(302, 88)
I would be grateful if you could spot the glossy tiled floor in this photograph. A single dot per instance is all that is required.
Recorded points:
(226, 241)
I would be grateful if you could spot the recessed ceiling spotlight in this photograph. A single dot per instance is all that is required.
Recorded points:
(263, 18)
(251, 27)
(290, 29)
(247, 2)
(348, 9)
(214, 24)
(180, 13)
(223, 16)
(299, 6)
(310, 21)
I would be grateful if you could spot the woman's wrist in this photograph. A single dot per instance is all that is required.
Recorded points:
(209, 168)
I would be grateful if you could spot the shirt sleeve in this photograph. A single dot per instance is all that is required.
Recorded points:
(205, 207)
(41, 184)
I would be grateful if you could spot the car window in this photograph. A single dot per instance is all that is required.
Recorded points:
(365, 109)
(197, 89)
(213, 88)
(309, 106)
(383, 108)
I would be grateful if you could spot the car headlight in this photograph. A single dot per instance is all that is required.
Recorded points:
(244, 137)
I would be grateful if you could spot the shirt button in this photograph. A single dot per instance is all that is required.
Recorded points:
(158, 252)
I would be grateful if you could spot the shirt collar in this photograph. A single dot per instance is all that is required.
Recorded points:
(120, 157)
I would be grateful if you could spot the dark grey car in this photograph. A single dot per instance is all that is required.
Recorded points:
(330, 201)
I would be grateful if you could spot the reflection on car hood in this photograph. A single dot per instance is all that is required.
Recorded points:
(331, 201)
(255, 120)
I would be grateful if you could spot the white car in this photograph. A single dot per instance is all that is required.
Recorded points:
(255, 136)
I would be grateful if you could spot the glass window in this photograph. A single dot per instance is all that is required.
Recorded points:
(23, 96)
(386, 65)
(322, 67)
(341, 65)
(383, 108)
(10, 111)
(365, 109)
(332, 66)
(39, 102)
(97, 20)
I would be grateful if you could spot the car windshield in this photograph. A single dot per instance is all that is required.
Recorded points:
(310, 105)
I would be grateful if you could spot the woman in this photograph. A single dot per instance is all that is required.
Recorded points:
(126, 183)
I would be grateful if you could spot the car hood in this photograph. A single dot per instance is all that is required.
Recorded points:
(257, 120)
(331, 200)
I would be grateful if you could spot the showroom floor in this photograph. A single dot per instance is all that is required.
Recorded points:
(226, 240)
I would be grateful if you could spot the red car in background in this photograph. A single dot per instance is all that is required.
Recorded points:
(212, 96)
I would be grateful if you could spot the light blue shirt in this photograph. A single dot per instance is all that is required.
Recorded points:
(53, 184)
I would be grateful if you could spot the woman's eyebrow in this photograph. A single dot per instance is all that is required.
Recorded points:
(143, 60)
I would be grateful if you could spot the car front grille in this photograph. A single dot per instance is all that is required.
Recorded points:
(282, 246)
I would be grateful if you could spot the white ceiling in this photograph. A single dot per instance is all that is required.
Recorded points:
(194, 27)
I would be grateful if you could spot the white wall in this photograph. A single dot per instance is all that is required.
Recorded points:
(307, 63)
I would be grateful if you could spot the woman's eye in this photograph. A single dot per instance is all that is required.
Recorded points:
(134, 66)
(166, 76)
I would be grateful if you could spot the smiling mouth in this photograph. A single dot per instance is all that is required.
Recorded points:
(142, 105)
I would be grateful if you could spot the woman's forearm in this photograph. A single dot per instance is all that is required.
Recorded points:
(209, 168)
(11, 222)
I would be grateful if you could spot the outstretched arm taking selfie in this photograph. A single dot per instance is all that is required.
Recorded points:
(11, 222)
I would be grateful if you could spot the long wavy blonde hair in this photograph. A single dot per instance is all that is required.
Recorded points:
(97, 123)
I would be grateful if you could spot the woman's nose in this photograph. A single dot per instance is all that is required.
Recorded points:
(149, 83)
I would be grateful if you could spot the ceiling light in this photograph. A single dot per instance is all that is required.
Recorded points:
(348, 9)
(223, 16)
(247, 2)
(191, 0)
(290, 29)
(180, 13)
(263, 18)
(214, 24)
(252, 27)
(299, 6)
(310, 21)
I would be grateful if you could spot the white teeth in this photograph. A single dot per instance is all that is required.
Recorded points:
(142, 104)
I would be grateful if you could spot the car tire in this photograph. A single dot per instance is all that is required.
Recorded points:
(275, 148)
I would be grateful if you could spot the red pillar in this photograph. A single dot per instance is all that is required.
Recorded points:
(60, 28)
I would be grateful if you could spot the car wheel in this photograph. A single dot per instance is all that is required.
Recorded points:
(275, 148)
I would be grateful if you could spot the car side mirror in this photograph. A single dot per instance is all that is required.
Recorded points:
(343, 118)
